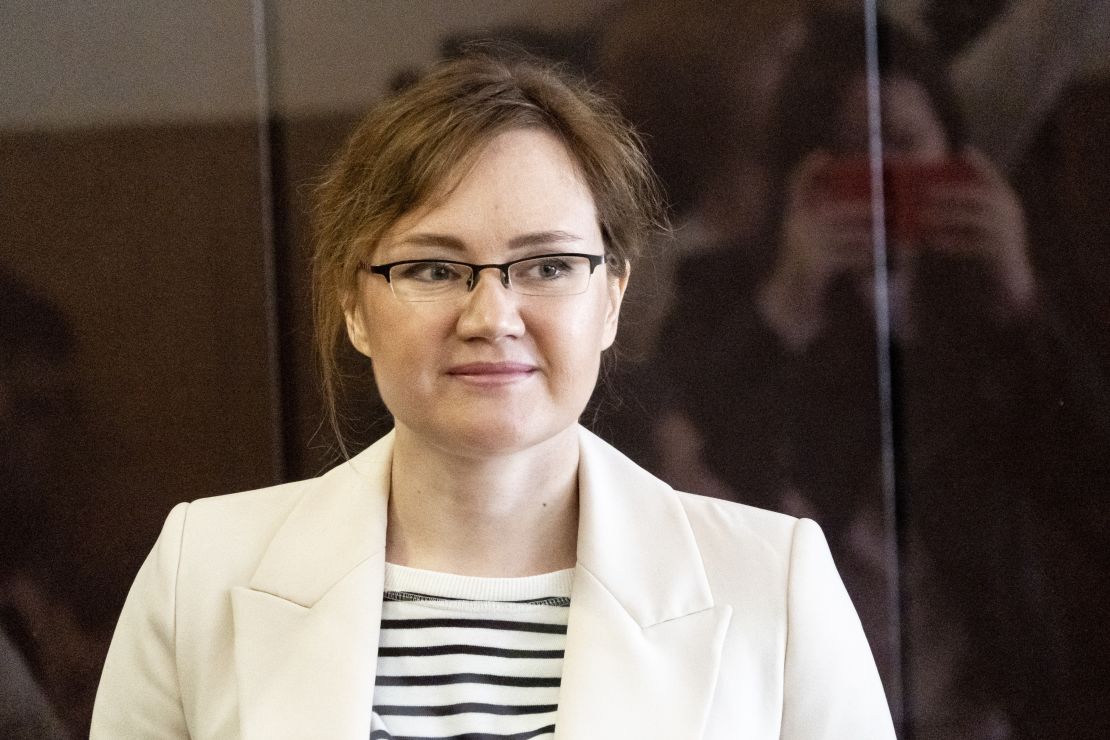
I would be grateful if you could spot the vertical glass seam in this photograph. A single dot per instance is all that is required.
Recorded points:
(885, 380)
(266, 215)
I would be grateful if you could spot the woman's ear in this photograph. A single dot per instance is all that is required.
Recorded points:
(617, 285)
(357, 328)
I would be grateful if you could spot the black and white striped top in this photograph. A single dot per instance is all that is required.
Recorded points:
(466, 657)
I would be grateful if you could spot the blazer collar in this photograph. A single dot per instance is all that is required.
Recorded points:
(644, 638)
(634, 537)
(338, 523)
(642, 615)
(306, 628)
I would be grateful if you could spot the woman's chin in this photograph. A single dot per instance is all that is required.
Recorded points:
(491, 436)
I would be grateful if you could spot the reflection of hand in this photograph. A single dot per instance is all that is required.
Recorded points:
(823, 237)
(982, 219)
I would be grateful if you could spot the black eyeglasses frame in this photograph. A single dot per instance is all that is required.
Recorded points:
(475, 270)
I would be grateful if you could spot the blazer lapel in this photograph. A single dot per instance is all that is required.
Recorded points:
(306, 628)
(644, 638)
(643, 641)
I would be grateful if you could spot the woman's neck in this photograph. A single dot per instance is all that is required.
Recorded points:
(510, 515)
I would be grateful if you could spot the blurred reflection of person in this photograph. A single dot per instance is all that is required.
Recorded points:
(969, 216)
(771, 379)
(37, 627)
(819, 250)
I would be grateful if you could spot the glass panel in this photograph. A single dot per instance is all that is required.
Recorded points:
(961, 389)
(995, 163)
(135, 363)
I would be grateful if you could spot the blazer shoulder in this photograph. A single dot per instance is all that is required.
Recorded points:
(223, 538)
(715, 519)
(747, 550)
(258, 503)
(267, 508)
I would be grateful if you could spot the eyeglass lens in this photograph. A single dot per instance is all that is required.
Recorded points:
(546, 275)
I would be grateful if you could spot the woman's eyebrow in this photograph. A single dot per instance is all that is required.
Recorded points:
(431, 240)
(446, 241)
(543, 237)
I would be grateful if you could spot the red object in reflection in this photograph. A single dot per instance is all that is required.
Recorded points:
(907, 184)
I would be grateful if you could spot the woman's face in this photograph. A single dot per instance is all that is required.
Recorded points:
(492, 371)
(911, 126)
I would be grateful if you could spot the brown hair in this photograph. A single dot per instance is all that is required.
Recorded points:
(414, 143)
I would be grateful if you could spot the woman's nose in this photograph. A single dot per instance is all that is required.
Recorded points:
(490, 311)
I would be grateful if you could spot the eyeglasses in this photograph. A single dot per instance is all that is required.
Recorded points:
(560, 274)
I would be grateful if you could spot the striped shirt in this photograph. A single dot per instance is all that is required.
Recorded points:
(465, 657)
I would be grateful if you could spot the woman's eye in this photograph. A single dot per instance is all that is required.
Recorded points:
(549, 269)
(431, 272)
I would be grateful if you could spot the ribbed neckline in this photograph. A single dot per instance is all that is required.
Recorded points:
(476, 588)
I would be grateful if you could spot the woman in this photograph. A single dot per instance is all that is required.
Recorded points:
(475, 242)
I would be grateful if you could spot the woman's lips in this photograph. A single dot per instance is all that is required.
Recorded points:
(492, 373)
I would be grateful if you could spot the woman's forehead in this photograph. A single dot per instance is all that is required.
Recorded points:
(522, 182)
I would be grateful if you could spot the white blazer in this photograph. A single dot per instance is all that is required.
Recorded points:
(256, 616)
